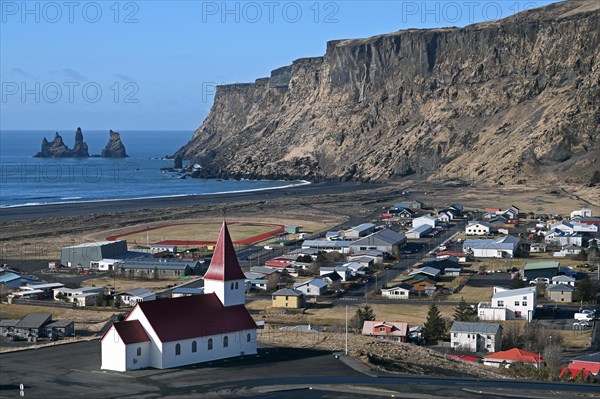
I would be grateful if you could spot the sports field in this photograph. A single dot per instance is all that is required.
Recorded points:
(183, 234)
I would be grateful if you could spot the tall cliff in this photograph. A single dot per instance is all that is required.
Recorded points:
(115, 147)
(508, 101)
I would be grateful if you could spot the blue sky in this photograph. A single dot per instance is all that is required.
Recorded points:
(151, 65)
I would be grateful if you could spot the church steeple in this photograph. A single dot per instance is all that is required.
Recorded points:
(224, 276)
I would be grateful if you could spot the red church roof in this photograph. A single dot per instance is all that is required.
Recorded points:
(516, 355)
(194, 316)
(224, 265)
(131, 332)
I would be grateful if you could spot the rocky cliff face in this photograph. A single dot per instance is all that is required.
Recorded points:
(514, 100)
(115, 147)
(58, 149)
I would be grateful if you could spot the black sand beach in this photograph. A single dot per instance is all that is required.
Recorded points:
(102, 207)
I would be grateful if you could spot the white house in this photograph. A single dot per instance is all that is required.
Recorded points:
(476, 337)
(360, 231)
(445, 216)
(428, 220)
(508, 304)
(186, 330)
(314, 287)
(504, 247)
(560, 237)
(136, 295)
(574, 227)
(398, 291)
(568, 250)
(343, 271)
(565, 280)
(80, 296)
(478, 229)
(582, 213)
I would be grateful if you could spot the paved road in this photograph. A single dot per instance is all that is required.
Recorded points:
(72, 371)
(85, 208)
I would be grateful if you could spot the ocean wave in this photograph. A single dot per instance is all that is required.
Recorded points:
(65, 201)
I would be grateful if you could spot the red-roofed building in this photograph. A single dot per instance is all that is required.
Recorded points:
(186, 330)
(514, 355)
(585, 364)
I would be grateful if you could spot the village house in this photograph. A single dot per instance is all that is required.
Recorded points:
(478, 229)
(12, 280)
(85, 296)
(60, 329)
(567, 250)
(419, 231)
(518, 304)
(397, 291)
(387, 330)
(406, 213)
(560, 293)
(586, 365)
(422, 285)
(366, 261)
(333, 280)
(504, 247)
(341, 246)
(387, 241)
(574, 227)
(342, 271)
(560, 238)
(537, 247)
(313, 287)
(426, 271)
(564, 280)
(582, 213)
(445, 216)
(158, 248)
(133, 296)
(475, 337)
(192, 329)
(288, 298)
(511, 356)
(33, 325)
(376, 256)
(361, 230)
(430, 221)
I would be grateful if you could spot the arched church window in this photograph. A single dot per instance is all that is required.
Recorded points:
(178, 349)
(210, 344)
(225, 341)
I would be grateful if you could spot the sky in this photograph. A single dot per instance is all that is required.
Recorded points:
(153, 65)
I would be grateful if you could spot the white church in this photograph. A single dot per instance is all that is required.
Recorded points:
(180, 331)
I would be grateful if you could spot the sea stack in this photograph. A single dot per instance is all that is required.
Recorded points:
(115, 147)
(58, 149)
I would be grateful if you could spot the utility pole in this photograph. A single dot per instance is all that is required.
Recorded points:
(346, 330)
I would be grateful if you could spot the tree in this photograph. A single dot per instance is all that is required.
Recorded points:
(464, 312)
(435, 327)
(304, 259)
(553, 359)
(117, 302)
(586, 290)
(362, 314)
(517, 281)
(101, 300)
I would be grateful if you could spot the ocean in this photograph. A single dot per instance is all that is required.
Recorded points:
(25, 180)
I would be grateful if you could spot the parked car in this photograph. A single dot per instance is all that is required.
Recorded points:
(542, 280)
(584, 316)
(580, 324)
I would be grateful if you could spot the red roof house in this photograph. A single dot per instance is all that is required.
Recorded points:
(390, 330)
(514, 355)
(191, 329)
(586, 364)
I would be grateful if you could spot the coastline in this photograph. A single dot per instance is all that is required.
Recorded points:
(62, 209)
(80, 200)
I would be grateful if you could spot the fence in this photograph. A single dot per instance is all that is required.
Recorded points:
(33, 302)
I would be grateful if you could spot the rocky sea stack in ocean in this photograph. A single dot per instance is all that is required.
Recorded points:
(499, 102)
(115, 147)
(58, 149)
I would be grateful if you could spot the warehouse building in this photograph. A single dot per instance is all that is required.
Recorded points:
(83, 255)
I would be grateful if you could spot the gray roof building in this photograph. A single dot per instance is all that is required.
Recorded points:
(474, 327)
(34, 320)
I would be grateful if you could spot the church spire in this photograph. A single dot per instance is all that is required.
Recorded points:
(224, 265)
